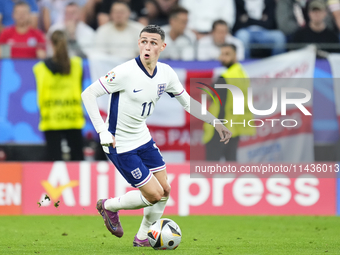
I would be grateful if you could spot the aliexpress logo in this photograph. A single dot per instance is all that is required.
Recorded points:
(59, 185)
(55, 193)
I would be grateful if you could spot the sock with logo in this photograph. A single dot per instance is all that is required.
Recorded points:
(151, 214)
(129, 201)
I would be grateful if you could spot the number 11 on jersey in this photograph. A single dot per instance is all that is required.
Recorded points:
(144, 106)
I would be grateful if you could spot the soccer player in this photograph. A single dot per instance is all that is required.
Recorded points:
(135, 87)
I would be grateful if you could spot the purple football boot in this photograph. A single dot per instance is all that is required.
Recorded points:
(111, 219)
(141, 243)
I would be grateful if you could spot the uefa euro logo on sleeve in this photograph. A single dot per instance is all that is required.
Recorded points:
(161, 89)
(137, 173)
(110, 76)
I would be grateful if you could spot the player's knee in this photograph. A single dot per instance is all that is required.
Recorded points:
(167, 191)
(154, 198)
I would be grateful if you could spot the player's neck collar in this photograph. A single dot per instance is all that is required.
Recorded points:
(140, 64)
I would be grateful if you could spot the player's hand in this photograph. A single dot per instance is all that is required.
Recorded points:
(107, 139)
(224, 133)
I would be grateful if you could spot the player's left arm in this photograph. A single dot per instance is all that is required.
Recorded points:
(194, 108)
(175, 88)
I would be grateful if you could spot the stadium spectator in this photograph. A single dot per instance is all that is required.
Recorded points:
(23, 40)
(208, 47)
(136, 6)
(90, 12)
(180, 41)
(80, 37)
(119, 36)
(236, 76)
(158, 11)
(6, 12)
(59, 85)
(203, 13)
(255, 23)
(52, 11)
(291, 15)
(316, 30)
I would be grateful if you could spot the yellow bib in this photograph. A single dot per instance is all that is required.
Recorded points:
(59, 97)
(236, 76)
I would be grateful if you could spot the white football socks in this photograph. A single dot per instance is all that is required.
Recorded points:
(129, 201)
(151, 214)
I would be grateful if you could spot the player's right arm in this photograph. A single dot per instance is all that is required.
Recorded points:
(89, 97)
(105, 85)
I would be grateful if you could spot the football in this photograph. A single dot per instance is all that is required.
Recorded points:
(164, 234)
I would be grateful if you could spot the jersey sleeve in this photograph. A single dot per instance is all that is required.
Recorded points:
(113, 81)
(175, 87)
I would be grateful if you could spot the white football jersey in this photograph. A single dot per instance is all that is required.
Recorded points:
(134, 94)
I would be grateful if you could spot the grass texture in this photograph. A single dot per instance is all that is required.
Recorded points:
(200, 235)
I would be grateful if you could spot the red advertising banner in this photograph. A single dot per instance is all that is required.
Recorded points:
(79, 185)
(10, 188)
(76, 185)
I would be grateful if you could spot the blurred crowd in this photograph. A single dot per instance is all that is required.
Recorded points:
(194, 28)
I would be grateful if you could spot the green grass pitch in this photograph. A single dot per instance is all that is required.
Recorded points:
(201, 235)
